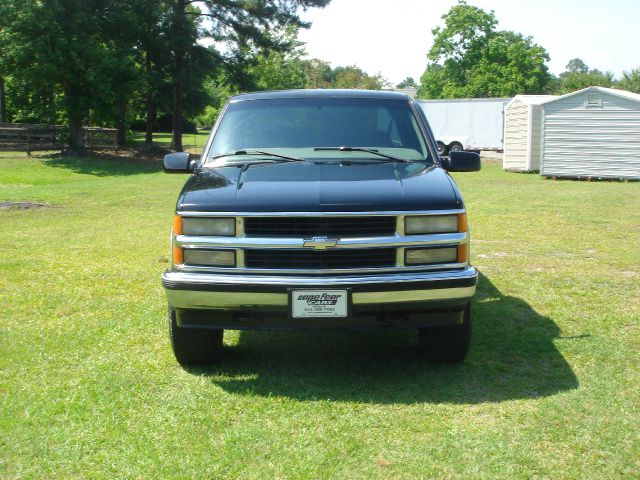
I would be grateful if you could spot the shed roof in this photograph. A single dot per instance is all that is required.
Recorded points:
(532, 99)
(611, 91)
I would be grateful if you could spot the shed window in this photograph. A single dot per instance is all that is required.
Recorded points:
(593, 101)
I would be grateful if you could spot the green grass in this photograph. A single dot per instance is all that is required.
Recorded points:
(89, 387)
(191, 142)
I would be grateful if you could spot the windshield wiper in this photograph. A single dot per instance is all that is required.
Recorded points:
(258, 152)
(361, 149)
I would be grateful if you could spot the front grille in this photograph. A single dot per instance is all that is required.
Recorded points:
(310, 259)
(307, 227)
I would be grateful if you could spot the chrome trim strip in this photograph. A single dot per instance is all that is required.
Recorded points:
(239, 227)
(319, 272)
(240, 259)
(190, 241)
(224, 300)
(399, 224)
(413, 295)
(319, 214)
(221, 279)
(400, 257)
(228, 300)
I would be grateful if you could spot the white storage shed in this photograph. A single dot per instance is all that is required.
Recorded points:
(594, 132)
(522, 133)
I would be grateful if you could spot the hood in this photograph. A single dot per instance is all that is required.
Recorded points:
(319, 185)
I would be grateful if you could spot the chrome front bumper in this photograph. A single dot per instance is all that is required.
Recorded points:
(199, 291)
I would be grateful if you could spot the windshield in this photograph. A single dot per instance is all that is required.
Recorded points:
(307, 127)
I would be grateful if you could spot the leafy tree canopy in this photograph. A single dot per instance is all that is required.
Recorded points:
(630, 81)
(471, 58)
(578, 75)
(408, 82)
(352, 76)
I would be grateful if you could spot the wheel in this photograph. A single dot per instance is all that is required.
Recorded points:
(442, 148)
(447, 344)
(455, 147)
(194, 347)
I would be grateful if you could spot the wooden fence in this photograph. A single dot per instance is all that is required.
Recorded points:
(32, 137)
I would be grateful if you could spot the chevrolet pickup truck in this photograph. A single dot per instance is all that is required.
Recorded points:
(320, 209)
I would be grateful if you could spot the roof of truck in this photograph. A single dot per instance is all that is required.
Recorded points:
(308, 93)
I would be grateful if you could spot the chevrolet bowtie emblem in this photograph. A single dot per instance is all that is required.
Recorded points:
(320, 243)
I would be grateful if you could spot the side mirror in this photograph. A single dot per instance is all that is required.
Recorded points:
(178, 163)
(462, 162)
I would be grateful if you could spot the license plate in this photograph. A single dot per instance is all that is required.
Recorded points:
(319, 303)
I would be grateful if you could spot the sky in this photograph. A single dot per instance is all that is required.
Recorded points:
(392, 37)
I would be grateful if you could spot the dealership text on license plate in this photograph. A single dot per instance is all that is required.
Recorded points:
(319, 303)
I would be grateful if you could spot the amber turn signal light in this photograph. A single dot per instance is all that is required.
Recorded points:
(177, 225)
(178, 256)
(463, 252)
(462, 222)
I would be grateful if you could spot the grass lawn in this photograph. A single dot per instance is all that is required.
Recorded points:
(191, 142)
(89, 387)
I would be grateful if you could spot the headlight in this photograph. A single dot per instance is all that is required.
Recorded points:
(215, 227)
(209, 258)
(415, 225)
(424, 256)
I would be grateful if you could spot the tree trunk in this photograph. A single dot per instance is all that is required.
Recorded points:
(51, 101)
(3, 102)
(150, 104)
(176, 139)
(76, 136)
(74, 117)
(151, 117)
(179, 33)
(121, 123)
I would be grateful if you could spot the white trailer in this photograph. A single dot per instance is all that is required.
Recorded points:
(466, 124)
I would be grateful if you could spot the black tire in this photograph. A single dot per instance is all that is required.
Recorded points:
(447, 344)
(455, 147)
(192, 346)
(442, 148)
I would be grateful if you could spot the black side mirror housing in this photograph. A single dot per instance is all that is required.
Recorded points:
(178, 163)
(462, 162)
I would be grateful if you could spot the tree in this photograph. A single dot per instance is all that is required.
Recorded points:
(630, 81)
(106, 62)
(154, 60)
(31, 100)
(354, 77)
(577, 65)
(3, 101)
(234, 22)
(471, 58)
(408, 82)
(319, 74)
(67, 46)
(577, 76)
(279, 69)
(433, 82)
(122, 33)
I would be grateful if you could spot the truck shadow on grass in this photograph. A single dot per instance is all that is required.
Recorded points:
(512, 357)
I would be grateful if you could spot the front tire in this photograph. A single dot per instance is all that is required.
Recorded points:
(442, 148)
(192, 346)
(447, 344)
